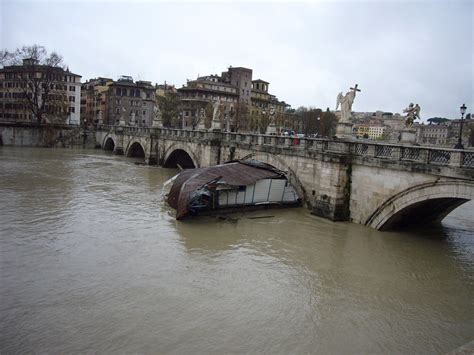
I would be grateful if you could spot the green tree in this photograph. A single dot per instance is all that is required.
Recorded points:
(437, 120)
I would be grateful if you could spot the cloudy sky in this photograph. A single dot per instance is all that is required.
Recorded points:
(397, 51)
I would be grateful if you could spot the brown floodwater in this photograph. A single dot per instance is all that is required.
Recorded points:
(92, 260)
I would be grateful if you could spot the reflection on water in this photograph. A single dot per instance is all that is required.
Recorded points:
(91, 259)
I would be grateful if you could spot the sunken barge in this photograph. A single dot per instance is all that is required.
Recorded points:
(234, 186)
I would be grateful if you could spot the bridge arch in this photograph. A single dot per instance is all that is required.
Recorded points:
(135, 150)
(280, 163)
(179, 154)
(429, 202)
(108, 143)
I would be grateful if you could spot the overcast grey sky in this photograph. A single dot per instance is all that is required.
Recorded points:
(397, 51)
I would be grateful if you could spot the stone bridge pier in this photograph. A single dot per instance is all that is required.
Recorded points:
(129, 141)
(379, 185)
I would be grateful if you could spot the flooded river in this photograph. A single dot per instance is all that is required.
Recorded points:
(92, 260)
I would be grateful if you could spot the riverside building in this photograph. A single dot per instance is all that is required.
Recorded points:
(94, 100)
(237, 94)
(20, 84)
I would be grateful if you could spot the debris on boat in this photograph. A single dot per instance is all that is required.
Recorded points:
(233, 186)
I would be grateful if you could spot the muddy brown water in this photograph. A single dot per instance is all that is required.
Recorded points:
(92, 260)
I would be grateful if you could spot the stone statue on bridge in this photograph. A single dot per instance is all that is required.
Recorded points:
(216, 120)
(100, 120)
(122, 117)
(271, 128)
(201, 119)
(346, 101)
(413, 113)
(157, 121)
(216, 112)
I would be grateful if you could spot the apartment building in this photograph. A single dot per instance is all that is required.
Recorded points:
(31, 92)
(236, 92)
(94, 94)
(130, 103)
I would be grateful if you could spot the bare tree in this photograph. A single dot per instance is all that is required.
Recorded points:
(328, 123)
(208, 110)
(263, 121)
(5, 57)
(170, 107)
(37, 82)
(240, 117)
(311, 120)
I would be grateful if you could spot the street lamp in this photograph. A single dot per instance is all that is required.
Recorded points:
(463, 111)
(318, 133)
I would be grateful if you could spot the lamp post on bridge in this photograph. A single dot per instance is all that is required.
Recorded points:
(459, 144)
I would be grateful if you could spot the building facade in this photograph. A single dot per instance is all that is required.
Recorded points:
(32, 92)
(433, 134)
(241, 99)
(130, 103)
(377, 132)
(94, 100)
(165, 89)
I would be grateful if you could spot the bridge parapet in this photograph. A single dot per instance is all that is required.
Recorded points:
(130, 130)
(295, 145)
(393, 152)
(419, 154)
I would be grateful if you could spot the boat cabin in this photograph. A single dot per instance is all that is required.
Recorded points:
(236, 185)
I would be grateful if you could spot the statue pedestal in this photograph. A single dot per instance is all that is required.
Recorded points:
(216, 125)
(271, 129)
(157, 123)
(344, 130)
(201, 126)
(408, 136)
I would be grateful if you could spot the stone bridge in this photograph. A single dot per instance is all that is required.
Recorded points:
(383, 186)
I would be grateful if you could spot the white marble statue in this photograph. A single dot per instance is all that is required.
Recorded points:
(100, 120)
(216, 122)
(271, 128)
(201, 119)
(346, 101)
(122, 117)
(132, 119)
(216, 112)
(272, 111)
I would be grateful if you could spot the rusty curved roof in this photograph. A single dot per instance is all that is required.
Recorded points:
(236, 173)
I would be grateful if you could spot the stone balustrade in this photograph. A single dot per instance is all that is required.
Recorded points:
(397, 152)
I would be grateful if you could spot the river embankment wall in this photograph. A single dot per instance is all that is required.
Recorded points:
(47, 135)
